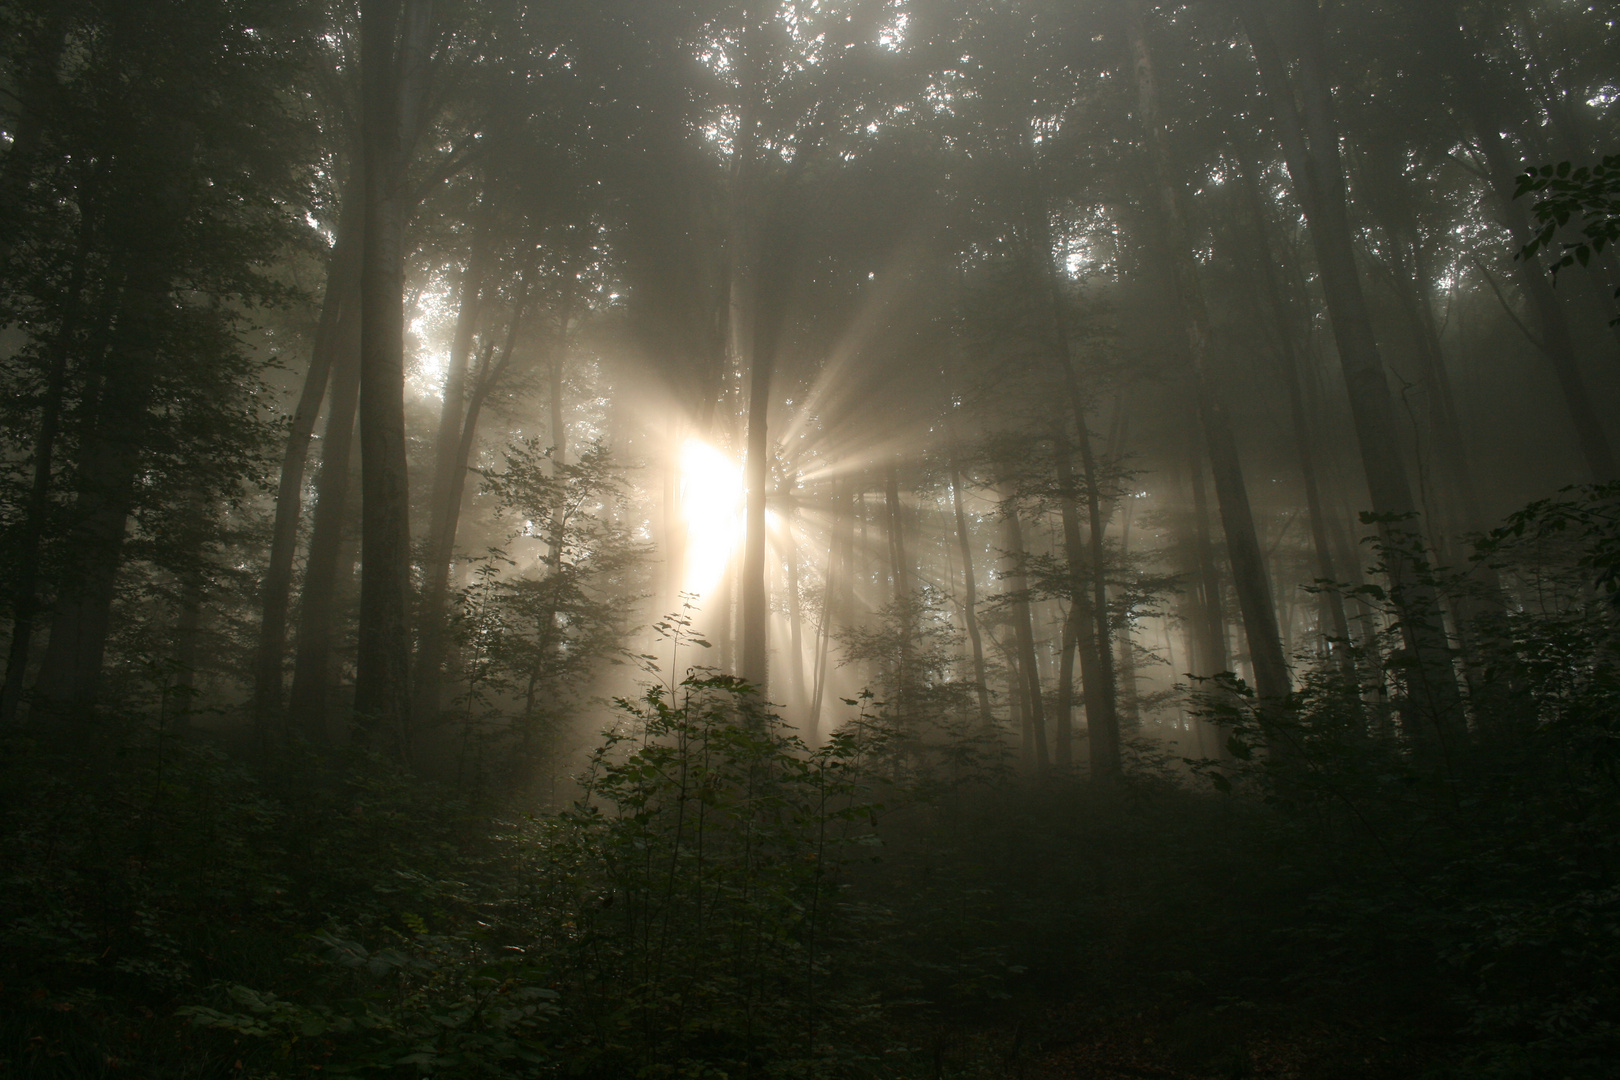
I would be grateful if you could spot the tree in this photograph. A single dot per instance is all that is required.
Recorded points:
(395, 40)
(168, 173)
(1308, 130)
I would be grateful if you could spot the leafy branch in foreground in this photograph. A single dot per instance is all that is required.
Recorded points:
(1589, 194)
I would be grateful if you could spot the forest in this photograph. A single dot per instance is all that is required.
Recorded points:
(904, 539)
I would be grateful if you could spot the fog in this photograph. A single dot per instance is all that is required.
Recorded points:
(877, 538)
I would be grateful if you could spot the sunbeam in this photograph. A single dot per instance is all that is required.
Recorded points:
(711, 497)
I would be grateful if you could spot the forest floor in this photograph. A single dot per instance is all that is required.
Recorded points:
(1078, 1041)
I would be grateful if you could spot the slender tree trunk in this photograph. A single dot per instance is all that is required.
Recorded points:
(446, 513)
(109, 462)
(1288, 357)
(342, 282)
(674, 516)
(833, 603)
(70, 671)
(1093, 634)
(970, 599)
(25, 587)
(1476, 98)
(449, 466)
(1018, 717)
(394, 43)
(795, 625)
(1129, 704)
(187, 643)
(1063, 723)
(558, 421)
(1090, 634)
(1212, 655)
(1024, 630)
(755, 604)
(318, 611)
(1408, 274)
(725, 640)
(894, 522)
(1311, 148)
(900, 585)
(1272, 681)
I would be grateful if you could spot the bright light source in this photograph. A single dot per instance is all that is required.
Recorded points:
(711, 495)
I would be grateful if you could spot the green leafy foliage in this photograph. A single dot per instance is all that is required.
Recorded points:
(1588, 195)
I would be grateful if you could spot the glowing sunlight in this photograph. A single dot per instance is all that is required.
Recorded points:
(712, 507)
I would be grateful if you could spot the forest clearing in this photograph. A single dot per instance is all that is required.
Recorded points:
(893, 539)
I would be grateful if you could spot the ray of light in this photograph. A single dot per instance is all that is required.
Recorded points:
(711, 495)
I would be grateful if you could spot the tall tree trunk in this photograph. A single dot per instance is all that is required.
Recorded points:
(1475, 97)
(558, 422)
(449, 469)
(1024, 629)
(25, 586)
(1409, 275)
(900, 595)
(394, 41)
(1271, 677)
(1093, 634)
(445, 513)
(1129, 705)
(795, 623)
(674, 516)
(1063, 723)
(1210, 653)
(970, 601)
(755, 666)
(338, 305)
(835, 585)
(1090, 634)
(895, 528)
(1288, 358)
(109, 462)
(722, 629)
(1311, 147)
(70, 672)
(317, 614)
(188, 626)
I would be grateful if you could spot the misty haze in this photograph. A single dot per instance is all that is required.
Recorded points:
(871, 539)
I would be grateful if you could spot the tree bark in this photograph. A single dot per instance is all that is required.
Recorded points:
(312, 654)
(121, 385)
(25, 588)
(394, 45)
(755, 603)
(1024, 629)
(1090, 634)
(1210, 653)
(446, 511)
(894, 522)
(970, 599)
(833, 605)
(342, 281)
(795, 626)
(1475, 97)
(1289, 360)
(1311, 147)
(448, 462)
(1271, 677)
